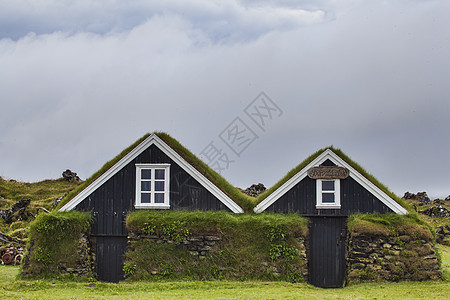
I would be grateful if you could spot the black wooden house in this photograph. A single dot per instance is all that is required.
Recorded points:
(152, 175)
(155, 173)
(327, 190)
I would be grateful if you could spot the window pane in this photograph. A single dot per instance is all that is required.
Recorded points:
(159, 198)
(159, 173)
(146, 186)
(327, 185)
(327, 197)
(159, 186)
(145, 198)
(146, 174)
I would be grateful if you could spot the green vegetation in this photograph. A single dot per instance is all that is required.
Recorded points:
(102, 170)
(220, 289)
(244, 201)
(53, 241)
(389, 225)
(347, 159)
(42, 194)
(434, 222)
(261, 246)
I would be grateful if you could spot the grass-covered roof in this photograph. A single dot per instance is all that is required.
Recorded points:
(344, 157)
(243, 200)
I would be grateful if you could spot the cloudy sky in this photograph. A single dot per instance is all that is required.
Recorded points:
(82, 80)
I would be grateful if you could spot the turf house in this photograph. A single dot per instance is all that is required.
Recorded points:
(156, 211)
(327, 191)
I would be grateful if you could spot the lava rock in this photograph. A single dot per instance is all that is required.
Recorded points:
(70, 176)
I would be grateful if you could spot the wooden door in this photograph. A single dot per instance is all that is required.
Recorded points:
(110, 253)
(327, 251)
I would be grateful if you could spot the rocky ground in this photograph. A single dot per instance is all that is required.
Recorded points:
(435, 212)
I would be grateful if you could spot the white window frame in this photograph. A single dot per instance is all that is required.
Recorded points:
(152, 205)
(337, 195)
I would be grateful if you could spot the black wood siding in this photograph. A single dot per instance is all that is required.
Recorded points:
(327, 251)
(110, 256)
(111, 202)
(302, 199)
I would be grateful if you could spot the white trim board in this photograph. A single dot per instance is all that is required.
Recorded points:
(153, 139)
(329, 154)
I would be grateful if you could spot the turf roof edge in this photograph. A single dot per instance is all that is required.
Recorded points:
(238, 197)
(98, 173)
(349, 161)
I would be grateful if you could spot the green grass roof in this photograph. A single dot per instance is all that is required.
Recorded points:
(246, 202)
(349, 161)
(243, 200)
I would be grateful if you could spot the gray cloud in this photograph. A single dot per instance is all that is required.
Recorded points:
(230, 20)
(371, 79)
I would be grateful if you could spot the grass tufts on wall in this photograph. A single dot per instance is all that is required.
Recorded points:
(53, 241)
(389, 225)
(261, 247)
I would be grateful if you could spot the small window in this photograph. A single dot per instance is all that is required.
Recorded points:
(328, 193)
(152, 186)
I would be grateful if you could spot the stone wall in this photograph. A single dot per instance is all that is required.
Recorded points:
(197, 245)
(379, 257)
(85, 264)
(207, 253)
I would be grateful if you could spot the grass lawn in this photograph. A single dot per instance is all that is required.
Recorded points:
(63, 289)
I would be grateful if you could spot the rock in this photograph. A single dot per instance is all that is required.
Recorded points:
(70, 176)
(254, 190)
(212, 238)
(56, 202)
(447, 198)
(436, 211)
(18, 212)
(195, 239)
(420, 196)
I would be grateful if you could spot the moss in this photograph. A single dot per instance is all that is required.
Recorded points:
(243, 200)
(347, 159)
(53, 240)
(102, 170)
(389, 225)
(252, 246)
(240, 198)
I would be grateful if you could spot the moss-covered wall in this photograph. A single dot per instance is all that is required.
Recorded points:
(390, 248)
(196, 245)
(59, 245)
(216, 245)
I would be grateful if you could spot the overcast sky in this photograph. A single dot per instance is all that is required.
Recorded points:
(82, 80)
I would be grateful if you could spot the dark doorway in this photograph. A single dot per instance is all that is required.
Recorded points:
(110, 252)
(327, 251)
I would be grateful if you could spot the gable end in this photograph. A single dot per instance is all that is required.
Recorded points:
(158, 142)
(329, 156)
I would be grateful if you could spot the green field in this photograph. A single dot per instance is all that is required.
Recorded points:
(13, 288)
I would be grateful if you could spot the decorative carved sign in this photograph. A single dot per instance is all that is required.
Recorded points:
(332, 172)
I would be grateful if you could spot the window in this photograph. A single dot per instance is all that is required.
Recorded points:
(328, 193)
(152, 186)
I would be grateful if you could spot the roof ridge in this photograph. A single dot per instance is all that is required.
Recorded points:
(216, 179)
